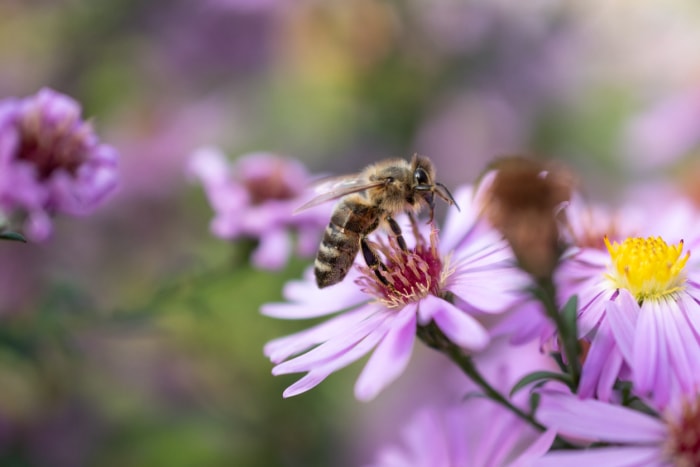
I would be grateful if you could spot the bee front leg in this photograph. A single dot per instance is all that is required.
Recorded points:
(430, 199)
(373, 261)
(397, 232)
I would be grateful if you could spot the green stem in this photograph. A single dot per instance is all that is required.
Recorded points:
(433, 337)
(569, 342)
(467, 365)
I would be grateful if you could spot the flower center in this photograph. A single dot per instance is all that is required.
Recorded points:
(647, 267)
(406, 275)
(52, 144)
(684, 436)
(271, 178)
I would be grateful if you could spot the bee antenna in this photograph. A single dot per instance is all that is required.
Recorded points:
(445, 194)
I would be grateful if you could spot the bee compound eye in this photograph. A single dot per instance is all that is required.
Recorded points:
(421, 176)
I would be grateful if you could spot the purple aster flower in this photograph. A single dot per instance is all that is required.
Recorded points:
(639, 302)
(472, 264)
(449, 430)
(256, 198)
(51, 161)
(450, 437)
(634, 438)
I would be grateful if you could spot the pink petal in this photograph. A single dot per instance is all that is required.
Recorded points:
(337, 296)
(601, 346)
(282, 348)
(595, 420)
(457, 325)
(651, 368)
(536, 450)
(209, 165)
(490, 291)
(296, 310)
(458, 223)
(692, 311)
(38, 226)
(609, 374)
(683, 348)
(333, 363)
(592, 302)
(308, 301)
(647, 456)
(485, 251)
(308, 240)
(392, 456)
(307, 382)
(336, 346)
(622, 315)
(390, 358)
(273, 251)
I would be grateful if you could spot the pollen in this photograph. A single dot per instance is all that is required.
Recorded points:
(648, 268)
(406, 276)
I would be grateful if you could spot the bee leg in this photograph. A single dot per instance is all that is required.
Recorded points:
(431, 204)
(397, 232)
(373, 261)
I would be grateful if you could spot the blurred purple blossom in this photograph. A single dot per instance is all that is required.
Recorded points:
(628, 437)
(465, 132)
(453, 437)
(255, 197)
(472, 262)
(665, 133)
(441, 426)
(51, 161)
(215, 38)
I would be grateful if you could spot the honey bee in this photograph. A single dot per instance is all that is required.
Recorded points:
(367, 200)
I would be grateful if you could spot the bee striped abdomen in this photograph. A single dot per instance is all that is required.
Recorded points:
(351, 219)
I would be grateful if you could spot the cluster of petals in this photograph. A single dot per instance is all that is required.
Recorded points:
(51, 161)
(448, 429)
(452, 436)
(630, 437)
(255, 197)
(480, 276)
(653, 342)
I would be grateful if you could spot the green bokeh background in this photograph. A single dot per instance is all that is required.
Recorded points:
(133, 337)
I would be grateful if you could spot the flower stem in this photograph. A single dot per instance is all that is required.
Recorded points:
(567, 333)
(433, 337)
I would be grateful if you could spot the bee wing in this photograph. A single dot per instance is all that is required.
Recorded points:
(337, 187)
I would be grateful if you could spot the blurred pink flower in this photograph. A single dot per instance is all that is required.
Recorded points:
(455, 436)
(51, 161)
(255, 198)
(632, 438)
(447, 429)
(665, 133)
(472, 263)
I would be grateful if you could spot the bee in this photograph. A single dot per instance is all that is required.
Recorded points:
(367, 200)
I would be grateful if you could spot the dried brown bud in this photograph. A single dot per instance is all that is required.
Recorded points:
(522, 201)
(690, 174)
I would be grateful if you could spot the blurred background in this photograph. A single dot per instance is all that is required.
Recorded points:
(133, 336)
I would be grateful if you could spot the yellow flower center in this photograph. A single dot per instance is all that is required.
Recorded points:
(647, 267)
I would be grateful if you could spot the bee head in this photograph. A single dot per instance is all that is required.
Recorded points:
(423, 179)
